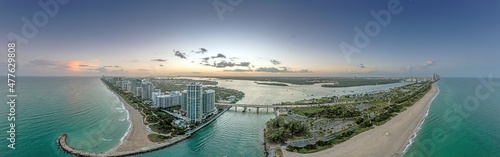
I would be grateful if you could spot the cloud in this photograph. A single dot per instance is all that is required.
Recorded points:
(361, 66)
(109, 69)
(42, 63)
(244, 64)
(430, 63)
(45, 64)
(238, 70)
(195, 72)
(409, 68)
(421, 67)
(202, 51)
(271, 69)
(159, 60)
(305, 71)
(180, 54)
(234, 58)
(205, 60)
(224, 64)
(275, 62)
(143, 69)
(220, 55)
(134, 60)
(280, 70)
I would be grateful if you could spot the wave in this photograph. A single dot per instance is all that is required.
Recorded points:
(129, 126)
(103, 139)
(128, 119)
(120, 109)
(412, 139)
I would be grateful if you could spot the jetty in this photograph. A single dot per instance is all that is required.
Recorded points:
(61, 141)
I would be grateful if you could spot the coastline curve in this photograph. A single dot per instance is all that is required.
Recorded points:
(61, 141)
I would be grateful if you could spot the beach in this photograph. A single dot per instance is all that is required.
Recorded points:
(135, 141)
(137, 135)
(389, 139)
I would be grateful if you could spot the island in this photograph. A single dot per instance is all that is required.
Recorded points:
(328, 81)
(360, 82)
(272, 84)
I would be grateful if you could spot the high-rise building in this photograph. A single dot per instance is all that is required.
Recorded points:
(118, 82)
(154, 96)
(184, 100)
(146, 89)
(435, 77)
(194, 106)
(208, 101)
(172, 99)
(136, 87)
(126, 85)
(138, 91)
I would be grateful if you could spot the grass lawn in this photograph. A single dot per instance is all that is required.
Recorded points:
(155, 128)
(303, 110)
(379, 104)
(298, 137)
(346, 99)
(158, 138)
(317, 149)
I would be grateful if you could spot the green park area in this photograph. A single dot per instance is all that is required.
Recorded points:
(332, 120)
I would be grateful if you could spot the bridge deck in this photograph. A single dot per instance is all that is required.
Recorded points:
(273, 106)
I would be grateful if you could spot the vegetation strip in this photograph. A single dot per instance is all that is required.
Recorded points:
(311, 129)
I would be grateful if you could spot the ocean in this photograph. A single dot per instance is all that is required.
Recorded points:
(95, 120)
(47, 107)
(460, 122)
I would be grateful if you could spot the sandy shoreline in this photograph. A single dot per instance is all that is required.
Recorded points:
(389, 139)
(137, 136)
(135, 141)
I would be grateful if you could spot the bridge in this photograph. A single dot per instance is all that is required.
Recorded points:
(258, 106)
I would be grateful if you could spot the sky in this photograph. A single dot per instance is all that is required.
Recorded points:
(383, 38)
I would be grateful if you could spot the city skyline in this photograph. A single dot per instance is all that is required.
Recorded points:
(192, 38)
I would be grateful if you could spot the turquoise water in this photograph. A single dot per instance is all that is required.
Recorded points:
(95, 120)
(455, 128)
(232, 134)
(46, 107)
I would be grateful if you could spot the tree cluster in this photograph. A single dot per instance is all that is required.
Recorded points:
(335, 112)
(278, 131)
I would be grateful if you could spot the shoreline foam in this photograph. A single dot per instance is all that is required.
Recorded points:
(415, 134)
(128, 129)
(389, 139)
(136, 141)
(136, 134)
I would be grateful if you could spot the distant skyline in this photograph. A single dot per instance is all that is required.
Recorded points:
(454, 38)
